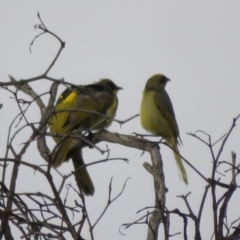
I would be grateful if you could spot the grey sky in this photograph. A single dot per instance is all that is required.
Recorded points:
(194, 43)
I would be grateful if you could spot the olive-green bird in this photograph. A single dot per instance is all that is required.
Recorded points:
(100, 97)
(158, 117)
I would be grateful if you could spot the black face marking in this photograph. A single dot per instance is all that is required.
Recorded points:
(64, 94)
(163, 80)
(110, 84)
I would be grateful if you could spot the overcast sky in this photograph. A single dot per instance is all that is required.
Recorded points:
(194, 43)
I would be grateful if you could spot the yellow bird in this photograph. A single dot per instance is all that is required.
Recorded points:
(158, 117)
(100, 97)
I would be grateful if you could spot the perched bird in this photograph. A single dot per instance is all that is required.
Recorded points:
(100, 97)
(158, 117)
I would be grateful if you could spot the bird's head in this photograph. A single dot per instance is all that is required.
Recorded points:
(110, 84)
(157, 81)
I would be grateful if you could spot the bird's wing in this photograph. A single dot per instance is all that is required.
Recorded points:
(92, 98)
(164, 105)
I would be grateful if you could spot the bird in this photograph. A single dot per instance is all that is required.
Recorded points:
(157, 116)
(100, 97)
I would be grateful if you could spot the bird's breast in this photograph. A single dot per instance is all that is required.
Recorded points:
(151, 117)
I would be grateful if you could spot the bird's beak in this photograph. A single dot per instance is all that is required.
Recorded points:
(116, 90)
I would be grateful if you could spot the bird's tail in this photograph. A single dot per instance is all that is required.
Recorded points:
(173, 143)
(82, 177)
(59, 156)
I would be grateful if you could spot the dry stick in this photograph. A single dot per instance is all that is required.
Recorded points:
(7, 148)
(64, 204)
(27, 89)
(87, 165)
(127, 120)
(198, 233)
(222, 185)
(128, 225)
(110, 201)
(160, 189)
(158, 174)
(185, 221)
(6, 230)
(227, 197)
(61, 208)
(200, 139)
(20, 108)
(41, 141)
(237, 229)
(234, 181)
(167, 225)
(212, 180)
(15, 171)
(21, 229)
(16, 165)
(26, 211)
(85, 212)
(60, 204)
(227, 136)
(223, 209)
(44, 29)
(35, 133)
(22, 207)
(193, 216)
(218, 226)
(122, 139)
(214, 199)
